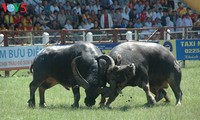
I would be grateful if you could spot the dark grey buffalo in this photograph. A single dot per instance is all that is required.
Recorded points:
(71, 66)
(153, 68)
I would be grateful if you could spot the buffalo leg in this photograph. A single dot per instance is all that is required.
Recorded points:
(150, 99)
(42, 96)
(177, 92)
(159, 94)
(174, 82)
(33, 86)
(112, 97)
(76, 96)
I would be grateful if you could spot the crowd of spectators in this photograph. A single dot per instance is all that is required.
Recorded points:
(95, 14)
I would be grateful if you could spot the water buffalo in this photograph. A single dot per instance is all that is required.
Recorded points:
(71, 66)
(154, 68)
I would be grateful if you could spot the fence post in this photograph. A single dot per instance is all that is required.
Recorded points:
(136, 35)
(129, 36)
(1, 39)
(168, 34)
(115, 35)
(62, 32)
(45, 38)
(89, 37)
(7, 73)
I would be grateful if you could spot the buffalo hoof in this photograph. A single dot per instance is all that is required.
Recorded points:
(43, 105)
(31, 104)
(105, 107)
(75, 106)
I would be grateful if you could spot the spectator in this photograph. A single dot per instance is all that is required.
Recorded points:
(83, 25)
(54, 7)
(157, 23)
(93, 16)
(97, 7)
(124, 23)
(96, 25)
(159, 14)
(85, 16)
(169, 24)
(2, 18)
(67, 6)
(143, 16)
(157, 5)
(105, 4)
(125, 15)
(90, 7)
(27, 19)
(9, 19)
(61, 18)
(55, 25)
(75, 19)
(46, 6)
(99, 14)
(139, 7)
(147, 5)
(123, 2)
(53, 15)
(163, 18)
(28, 27)
(181, 10)
(68, 25)
(77, 8)
(2, 27)
(133, 15)
(20, 27)
(154, 14)
(187, 21)
(117, 19)
(149, 13)
(43, 17)
(130, 24)
(174, 17)
(179, 23)
(83, 9)
(106, 20)
(17, 18)
(115, 5)
(138, 24)
(90, 24)
(44, 26)
(69, 15)
(148, 23)
(39, 8)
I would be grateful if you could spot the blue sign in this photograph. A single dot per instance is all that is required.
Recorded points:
(106, 47)
(188, 49)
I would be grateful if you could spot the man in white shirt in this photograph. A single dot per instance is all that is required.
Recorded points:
(54, 7)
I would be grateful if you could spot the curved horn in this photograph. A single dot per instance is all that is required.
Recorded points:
(109, 61)
(110, 64)
(77, 76)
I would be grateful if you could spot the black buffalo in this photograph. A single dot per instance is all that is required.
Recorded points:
(153, 68)
(71, 66)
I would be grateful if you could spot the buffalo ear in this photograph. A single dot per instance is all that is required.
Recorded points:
(118, 60)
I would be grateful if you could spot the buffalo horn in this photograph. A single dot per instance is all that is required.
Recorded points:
(109, 61)
(77, 76)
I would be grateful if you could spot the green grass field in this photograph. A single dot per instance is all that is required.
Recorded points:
(14, 94)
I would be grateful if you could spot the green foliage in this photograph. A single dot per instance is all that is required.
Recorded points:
(14, 94)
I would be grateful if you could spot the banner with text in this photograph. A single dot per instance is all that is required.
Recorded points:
(18, 57)
(183, 49)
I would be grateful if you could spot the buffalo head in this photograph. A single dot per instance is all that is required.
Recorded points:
(117, 75)
(92, 83)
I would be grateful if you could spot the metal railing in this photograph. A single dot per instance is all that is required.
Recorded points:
(100, 35)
